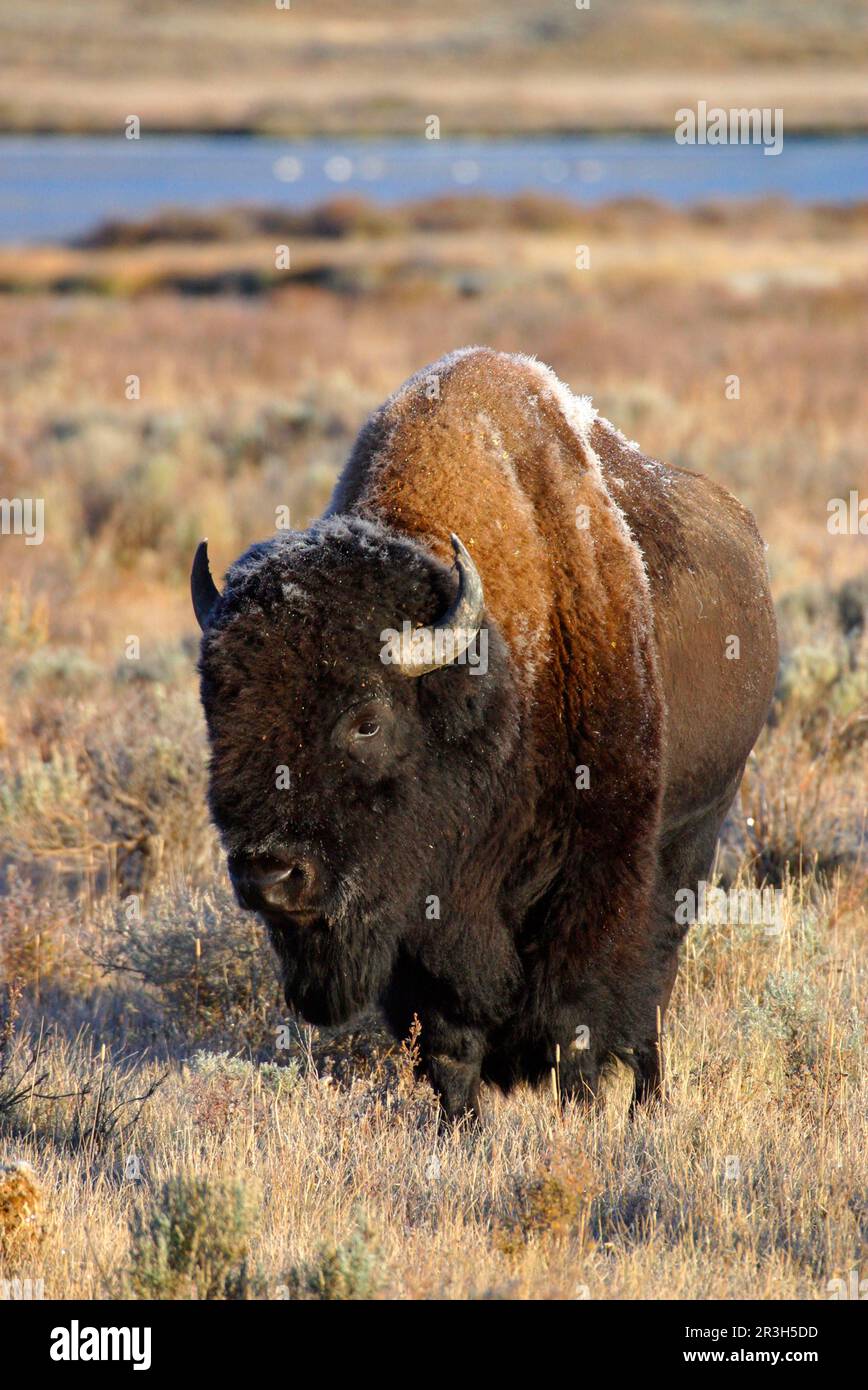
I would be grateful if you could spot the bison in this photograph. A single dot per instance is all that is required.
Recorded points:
(471, 793)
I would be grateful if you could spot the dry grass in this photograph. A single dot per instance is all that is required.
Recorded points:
(181, 1143)
(750, 1183)
(221, 65)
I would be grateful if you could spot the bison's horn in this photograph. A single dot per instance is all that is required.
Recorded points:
(445, 640)
(202, 587)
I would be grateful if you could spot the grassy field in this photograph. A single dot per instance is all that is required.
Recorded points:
(143, 1072)
(382, 67)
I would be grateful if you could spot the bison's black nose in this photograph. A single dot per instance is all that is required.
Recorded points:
(290, 882)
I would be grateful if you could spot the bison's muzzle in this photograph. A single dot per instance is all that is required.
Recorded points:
(290, 883)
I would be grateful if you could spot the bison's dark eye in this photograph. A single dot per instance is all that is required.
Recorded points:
(366, 733)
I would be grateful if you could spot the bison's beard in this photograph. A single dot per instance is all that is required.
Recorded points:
(330, 971)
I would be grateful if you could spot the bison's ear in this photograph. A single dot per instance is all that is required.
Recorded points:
(202, 587)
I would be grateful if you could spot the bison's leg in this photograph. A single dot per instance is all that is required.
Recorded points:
(451, 1058)
(684, 861)
(649, 1078)
(457, 1088)
(578, 1083)
(648, 1086)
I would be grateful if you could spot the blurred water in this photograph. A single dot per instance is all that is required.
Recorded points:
(60, 186)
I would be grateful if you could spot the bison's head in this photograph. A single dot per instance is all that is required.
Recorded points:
(352, 771)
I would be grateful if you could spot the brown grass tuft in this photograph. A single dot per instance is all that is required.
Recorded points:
(22, 1217)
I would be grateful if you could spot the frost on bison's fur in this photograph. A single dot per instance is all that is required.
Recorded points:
(494, 845)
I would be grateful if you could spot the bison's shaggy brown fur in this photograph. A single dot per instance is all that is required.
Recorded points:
(550, 808)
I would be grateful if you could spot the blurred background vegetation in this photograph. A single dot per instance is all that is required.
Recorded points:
(342, 67)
